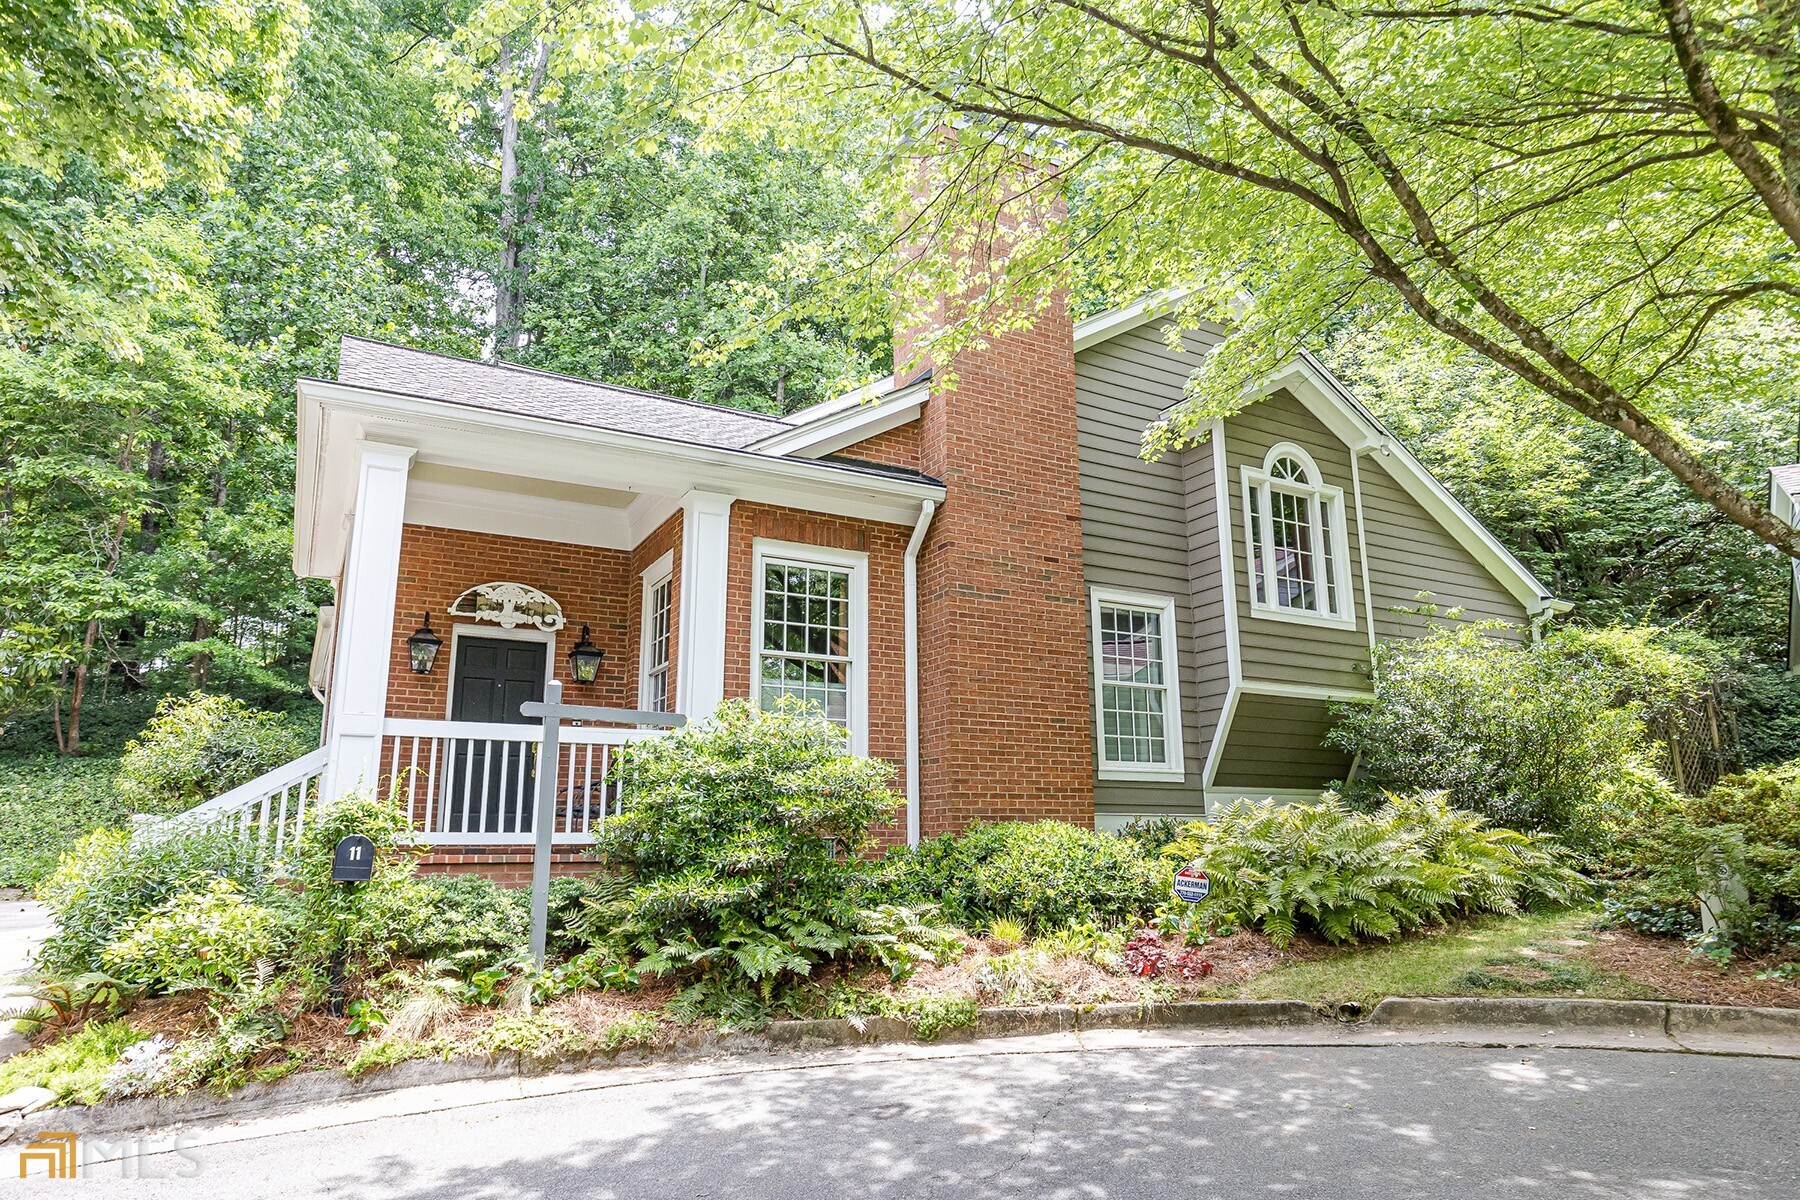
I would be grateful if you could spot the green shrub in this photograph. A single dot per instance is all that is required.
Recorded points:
(211, 939)
(1746, 829)
(369, 923)
(108, 882)
(1046, 874)
(1152, 833)
(1347, 875)
(47, 803)
(739, 845)
(468, 912)
(198, 746)
(1543, 737)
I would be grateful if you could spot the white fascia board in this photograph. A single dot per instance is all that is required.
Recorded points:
(334, 415)
(1329, 400)
(849, 425)
(1114, 321)
(873, 390)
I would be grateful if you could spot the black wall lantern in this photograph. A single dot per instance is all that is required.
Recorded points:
(584, 659)
(423, 646)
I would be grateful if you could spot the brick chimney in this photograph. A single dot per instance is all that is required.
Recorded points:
(1006, 710)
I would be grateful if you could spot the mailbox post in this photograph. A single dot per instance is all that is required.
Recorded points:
(352, 862)
(549, 767)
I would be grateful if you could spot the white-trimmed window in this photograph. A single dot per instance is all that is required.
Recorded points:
(812, 632)
(1299, 551)
(657, 617)
(1137, 700)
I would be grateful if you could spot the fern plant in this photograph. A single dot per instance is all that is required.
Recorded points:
(1347, 876)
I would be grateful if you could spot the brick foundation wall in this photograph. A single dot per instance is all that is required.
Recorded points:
(886, 547)
(508, 866)
(1006, 717)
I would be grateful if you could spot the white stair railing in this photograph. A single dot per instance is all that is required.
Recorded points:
(272, 808)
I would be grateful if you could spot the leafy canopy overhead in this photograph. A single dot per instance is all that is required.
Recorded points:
(1590, 198)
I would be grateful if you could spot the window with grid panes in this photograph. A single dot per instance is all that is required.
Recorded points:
(1294, 528)
(659, 616)
(1134, 686)
(805, 645)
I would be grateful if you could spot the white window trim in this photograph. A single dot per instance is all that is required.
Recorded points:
(652, 577)
(1175, 770)
(1323, 496)
(857, 564)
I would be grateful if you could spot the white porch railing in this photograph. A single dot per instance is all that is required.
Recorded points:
(272, 808)
(474, 783)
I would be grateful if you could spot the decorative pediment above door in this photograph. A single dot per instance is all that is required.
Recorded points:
(509, 605)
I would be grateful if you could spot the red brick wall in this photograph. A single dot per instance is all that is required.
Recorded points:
(508, 866)
(898, 447)
(1006, 728)
(595, 587)
(886, 548)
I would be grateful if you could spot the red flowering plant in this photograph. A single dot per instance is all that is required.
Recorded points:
(1146, 956)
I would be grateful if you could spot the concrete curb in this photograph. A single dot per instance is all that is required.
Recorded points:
(1499, 1021)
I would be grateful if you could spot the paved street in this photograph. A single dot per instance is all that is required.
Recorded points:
(1337, 1123)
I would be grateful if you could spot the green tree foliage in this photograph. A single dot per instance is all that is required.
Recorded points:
(112, 464)
(141, 91)
(1592, 200)
(1592, 516)
(1346, 875)
(648, 265)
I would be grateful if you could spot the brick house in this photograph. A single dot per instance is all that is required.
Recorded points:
(985, 584)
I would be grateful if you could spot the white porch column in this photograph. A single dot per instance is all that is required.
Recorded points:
(365, 633)
(705, 559)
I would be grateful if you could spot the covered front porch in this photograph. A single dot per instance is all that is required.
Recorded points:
(478, 554)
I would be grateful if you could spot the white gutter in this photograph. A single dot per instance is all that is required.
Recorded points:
(911, 574)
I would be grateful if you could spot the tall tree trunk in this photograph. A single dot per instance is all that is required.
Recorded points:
(515, 216)
(71, 742)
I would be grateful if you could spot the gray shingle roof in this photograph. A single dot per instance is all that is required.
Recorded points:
(502, 387)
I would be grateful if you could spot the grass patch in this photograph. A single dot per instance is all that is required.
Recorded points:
(46, 803)
(1490, 956)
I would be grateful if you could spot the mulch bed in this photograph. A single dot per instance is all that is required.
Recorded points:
(1677, 973)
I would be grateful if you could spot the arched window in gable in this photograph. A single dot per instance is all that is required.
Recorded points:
(1299, 558)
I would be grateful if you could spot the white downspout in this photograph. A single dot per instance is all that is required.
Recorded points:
(1362, 537)
(911, 572)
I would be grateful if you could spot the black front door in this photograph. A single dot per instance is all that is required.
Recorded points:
(490, 784)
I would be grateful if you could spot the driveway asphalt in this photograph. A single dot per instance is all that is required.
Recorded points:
(1002, 1119)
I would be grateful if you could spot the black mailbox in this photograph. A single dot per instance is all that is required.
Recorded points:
(354, 860)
